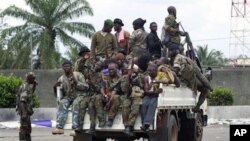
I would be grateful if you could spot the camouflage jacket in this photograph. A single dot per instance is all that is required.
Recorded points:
(138, 39)
(25, 92)
(112, 84)
(71, 89)
(170, 21)
(86, 67)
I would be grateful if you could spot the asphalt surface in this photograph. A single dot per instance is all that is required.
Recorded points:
(211, 133)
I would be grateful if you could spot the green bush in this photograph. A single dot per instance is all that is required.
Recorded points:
(8, 88)
(221, 96)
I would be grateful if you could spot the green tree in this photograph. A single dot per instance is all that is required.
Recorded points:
(72, 53)
(49, 22)
(210, 58)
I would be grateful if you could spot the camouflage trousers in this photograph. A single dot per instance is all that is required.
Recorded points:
(96, 109)
(79, 108)
(24, 109)
(130, 109)
(112, 111)
(79, 105)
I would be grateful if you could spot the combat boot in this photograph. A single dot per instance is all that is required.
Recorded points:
(101, 124)
(110, 122)
(72, 133)
(91, 130)
(129, 131)
(57, 131)
(205, 120)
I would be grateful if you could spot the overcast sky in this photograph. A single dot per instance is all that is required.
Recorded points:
(207, 21)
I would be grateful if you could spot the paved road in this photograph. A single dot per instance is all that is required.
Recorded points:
(211, 133)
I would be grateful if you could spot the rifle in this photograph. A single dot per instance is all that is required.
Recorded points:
(190, 48)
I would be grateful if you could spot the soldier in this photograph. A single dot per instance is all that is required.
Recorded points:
(190, 73)
(122, 36)
(84, 64)
(75, 92)
(109, 91)
(96, 109)
(132, 98)
(138, 40)
(172, 32)
(103, 44)
(149, 102)
(24, 106)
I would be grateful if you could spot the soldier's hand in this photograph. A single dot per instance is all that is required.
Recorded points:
(58, 83)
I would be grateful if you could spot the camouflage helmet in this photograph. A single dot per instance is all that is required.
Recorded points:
(83, 50)
(30, 74)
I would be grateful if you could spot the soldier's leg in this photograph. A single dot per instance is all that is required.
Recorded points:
(62, 112)
(100, 110)
(202, 78)
(92, 115)
(24, 126)
(144, 108)
(149, 117)
(134, 111)
(125, 104)
(115, 104)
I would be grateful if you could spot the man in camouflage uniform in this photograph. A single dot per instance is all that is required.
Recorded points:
(138, 40)
(171, 27)
(190, 73)
(103, 43)
(110, 91)
(24, 106)
(75, 92)
(96, 108)
(132, 98)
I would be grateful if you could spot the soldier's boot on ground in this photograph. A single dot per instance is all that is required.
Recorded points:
(101, 123)
(129, 131)
(91, 130)
(57, 131)
(110, 122)
(205, 120)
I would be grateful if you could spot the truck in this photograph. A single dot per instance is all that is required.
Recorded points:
(173, 120)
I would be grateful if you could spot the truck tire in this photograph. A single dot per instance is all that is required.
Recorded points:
(191, 129)
(172, 129)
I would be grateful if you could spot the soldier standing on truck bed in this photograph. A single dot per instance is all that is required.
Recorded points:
(190, 73)
(24, 106)
(171, 29)
(75, 92)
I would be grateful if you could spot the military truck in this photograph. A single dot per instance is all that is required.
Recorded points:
(174, 121)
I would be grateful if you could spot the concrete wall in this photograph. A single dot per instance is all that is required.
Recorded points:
(236, 79)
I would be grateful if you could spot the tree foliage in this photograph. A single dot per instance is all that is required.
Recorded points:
(210, 58)
(49, 22)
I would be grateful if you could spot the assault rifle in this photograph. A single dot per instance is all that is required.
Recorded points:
(190, 49)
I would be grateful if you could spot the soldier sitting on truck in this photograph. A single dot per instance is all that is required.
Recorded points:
(132, 100)
(190, 73)
(151, 92)
(109, 93)
(74, 89)
(95, 108)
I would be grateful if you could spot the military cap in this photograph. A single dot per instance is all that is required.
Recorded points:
(66, 62)
(108, 22)
(118, 21)
(82, 50)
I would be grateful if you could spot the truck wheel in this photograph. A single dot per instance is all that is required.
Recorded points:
(172, 129)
